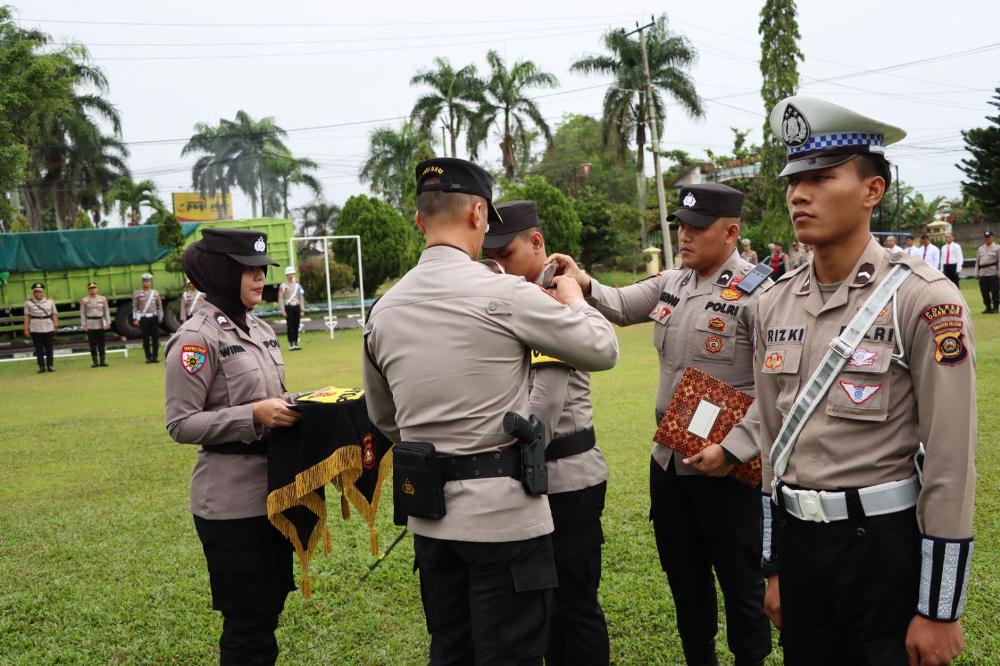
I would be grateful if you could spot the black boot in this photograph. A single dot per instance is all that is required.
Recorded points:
(41, 369)
(51, 369)
(701, 655)
(103, 364)
(93, 360)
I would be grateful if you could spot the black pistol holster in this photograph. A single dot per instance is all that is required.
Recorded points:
(417, 488)
(530, 434)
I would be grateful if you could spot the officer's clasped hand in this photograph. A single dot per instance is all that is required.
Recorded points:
(711, 461)
(567, 266)
(274, 413)
(566, 290)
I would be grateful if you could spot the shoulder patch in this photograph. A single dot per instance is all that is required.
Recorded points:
(540, 360)
(193, 358)
(935, 312)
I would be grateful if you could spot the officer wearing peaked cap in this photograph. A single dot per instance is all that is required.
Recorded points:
(481, 542)
(703, 520)
(40, 322)
(95, 318)
(867, 553)
(147, 315)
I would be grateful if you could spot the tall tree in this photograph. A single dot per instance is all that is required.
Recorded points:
(625, 109)
(779, 69)
(284, 170)
(983, 165)
(319, 219)
(389, 167)
(129, 197)
(450, 98)
(505, 107)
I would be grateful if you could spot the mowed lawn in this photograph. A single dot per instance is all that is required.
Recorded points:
(100, 564)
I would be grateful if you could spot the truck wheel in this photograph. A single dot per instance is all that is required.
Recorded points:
(170, 321)
(123, 322)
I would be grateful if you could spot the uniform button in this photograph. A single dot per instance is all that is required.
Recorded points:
(499, 470)
(862, 531)
(497, 455)
(492, 307)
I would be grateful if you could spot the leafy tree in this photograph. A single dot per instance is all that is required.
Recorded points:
(312, 277)
(605, 228)
(282, 170)
(505, 106)
(983, 167)
(450, 98)
(625, 108)
(779, 58)
(130, 197)
(384, 238)
(391, 160)
(560, 222)
(578, 142)
(82, 220)
(169, 235)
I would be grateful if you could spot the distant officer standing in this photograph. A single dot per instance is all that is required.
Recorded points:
(951, 259)
(191, 300)
(748, 255)
(446, 356)
(862, 354)
(40, 323)
(578, 474)
(987, 262)
(291, 297)
(95, 317)
(147, 314)
(225, 387)
(702, 519)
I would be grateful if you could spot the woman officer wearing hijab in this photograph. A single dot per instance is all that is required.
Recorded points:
(224, 390)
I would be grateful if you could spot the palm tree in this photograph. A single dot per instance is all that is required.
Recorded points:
(390, 157)
(319, 219)
(451, 93)
(235, 153)
(282, 171)
(625, 106)
(505, 106)
(130, 197)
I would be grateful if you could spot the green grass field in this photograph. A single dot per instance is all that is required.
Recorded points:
(101, 564)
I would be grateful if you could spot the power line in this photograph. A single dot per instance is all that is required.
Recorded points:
(329, 25)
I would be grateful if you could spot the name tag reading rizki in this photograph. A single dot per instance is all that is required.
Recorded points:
(704, 419)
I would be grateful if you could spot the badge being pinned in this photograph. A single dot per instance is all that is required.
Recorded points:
(193, 358)
(859, 394)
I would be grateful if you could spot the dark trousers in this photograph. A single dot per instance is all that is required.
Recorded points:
(951, 272)
(578, 634)
(703, 523)
(989, 287)
(848, 588)
(150, 328)
(486, 604)
(95, 337)
(250, 571)
(43, 349)
(293, 313)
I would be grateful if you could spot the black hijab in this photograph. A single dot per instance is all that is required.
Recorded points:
(221, 278)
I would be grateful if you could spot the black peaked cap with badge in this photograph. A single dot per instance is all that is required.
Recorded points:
(518, 216)
(703, 204)
(450, 174)
(243, 246)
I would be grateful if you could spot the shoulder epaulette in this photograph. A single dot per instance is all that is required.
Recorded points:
(919, 267)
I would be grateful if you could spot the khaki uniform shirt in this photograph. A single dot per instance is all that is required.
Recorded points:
(987, 259)
(139, 300)
(289, 294)
(868, 427)
(750, 257)
(449, 356)
(214, 374)
(700, 324)
(560, 398)
(190, 302)
(94, 312)
(40, 315)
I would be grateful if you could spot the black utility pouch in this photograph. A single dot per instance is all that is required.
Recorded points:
(534, 473)
(416, 482)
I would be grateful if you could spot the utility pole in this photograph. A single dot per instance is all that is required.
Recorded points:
(661, 199)
(444, 144)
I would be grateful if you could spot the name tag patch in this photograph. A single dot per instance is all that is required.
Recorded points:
(785, 335)
(229, 350)
(725, 308)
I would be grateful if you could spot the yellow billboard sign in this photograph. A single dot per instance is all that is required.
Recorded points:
(193, 207)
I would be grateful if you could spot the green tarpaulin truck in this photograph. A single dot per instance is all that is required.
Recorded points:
(113, 258)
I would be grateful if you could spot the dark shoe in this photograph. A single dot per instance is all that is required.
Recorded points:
(41, 370)
(103, 364)
(148, 361)
(51, 369)
(94, 364)
(987, 311)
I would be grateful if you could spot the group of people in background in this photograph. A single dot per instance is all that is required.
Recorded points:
(778, 260)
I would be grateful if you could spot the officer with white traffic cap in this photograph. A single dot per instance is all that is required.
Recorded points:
(291, 299)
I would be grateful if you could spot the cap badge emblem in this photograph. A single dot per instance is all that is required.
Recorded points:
(260, 245)
(794, 128)
(689, 201)
(222, 320)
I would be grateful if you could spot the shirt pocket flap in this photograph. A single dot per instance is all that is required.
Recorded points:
(717, 324)
(782, 360)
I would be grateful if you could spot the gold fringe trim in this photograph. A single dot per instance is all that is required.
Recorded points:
(368, 511)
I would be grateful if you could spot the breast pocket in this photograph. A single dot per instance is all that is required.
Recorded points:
(279, 364)
(714, 338)
(783, 362)
(243, 379)
(862, 390)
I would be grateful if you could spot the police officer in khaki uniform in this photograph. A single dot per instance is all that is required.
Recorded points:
(95, 317)
(225, 387)
(987, 262)
(147, 314)
(702, 519)
(446, 356)
(872, 552)
(578, 474)
(291, 298)
(191, 300)
(748, 255)
(40, 323)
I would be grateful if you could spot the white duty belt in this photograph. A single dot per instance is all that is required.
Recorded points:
(824, 506)
(841, 349)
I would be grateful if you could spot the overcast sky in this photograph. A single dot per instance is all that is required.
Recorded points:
(345, 68)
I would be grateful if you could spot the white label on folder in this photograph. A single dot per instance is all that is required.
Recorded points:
(703, 419)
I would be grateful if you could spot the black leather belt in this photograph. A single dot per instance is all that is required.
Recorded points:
(486, 465)
(101, 317)
(36, 317)
(258, 448)
(570, 445)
